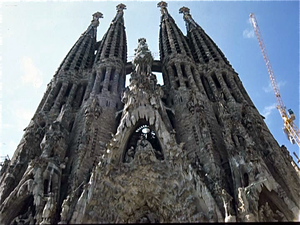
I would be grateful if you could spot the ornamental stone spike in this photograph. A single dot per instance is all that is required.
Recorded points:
(163, 7)
(143, 58)
(121, 7)
(120, 12)
(190, 23)
(96, 17)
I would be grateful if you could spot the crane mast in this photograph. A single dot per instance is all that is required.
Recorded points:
(290, 128)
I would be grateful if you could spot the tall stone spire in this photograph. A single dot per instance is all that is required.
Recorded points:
(81, 55)
(193, 150)
(172, 41)
(204, 49)
(113, 44)
(142, 149)
(109, 65)
(190, 23)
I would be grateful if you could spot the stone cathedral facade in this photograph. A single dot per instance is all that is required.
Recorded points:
(192, 150)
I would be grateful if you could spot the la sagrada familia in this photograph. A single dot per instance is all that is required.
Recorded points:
(192, 150)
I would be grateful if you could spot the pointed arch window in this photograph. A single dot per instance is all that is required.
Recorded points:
(143, 138)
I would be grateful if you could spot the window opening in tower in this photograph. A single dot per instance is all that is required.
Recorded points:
(103, 74)
(112, 73)
(143, 139)
(216, 81)
(183, 70)
(207, 89)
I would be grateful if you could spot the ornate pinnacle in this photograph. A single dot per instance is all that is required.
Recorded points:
(163, 7)
(120, 7)
(96, 17)
(184, 10)
(162, 4)
(190, 23)
(143, 58)
(120, 12)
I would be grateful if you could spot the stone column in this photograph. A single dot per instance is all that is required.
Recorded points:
(72, 94)
(50, 97)
(60, 95)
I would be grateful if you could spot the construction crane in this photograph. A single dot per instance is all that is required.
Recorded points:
(289, 127)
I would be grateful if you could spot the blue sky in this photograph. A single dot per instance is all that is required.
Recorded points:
(36, 36)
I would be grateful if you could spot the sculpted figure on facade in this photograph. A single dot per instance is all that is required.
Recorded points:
(144, 150)
(49, 209)
(130, 154)
(85, 157)
(92, 111)
(143, 59)
(51, 140)
(227, 199)
(65, 210)
(243, 206)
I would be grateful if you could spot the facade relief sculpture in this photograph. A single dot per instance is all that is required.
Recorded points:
(192, 150)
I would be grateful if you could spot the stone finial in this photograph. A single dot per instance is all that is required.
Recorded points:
(143, 58)
(190, 23)
(96, 17)
(184, 10)
(120, 12)
(120, 7)
(162, 4)
(163, 9)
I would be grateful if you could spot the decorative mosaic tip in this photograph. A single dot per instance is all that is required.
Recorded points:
(184, 10)
(121, 7)
(162, 4)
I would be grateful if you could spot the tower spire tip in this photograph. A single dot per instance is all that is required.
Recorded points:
(96, 17)
(162, 4)
(121, 7)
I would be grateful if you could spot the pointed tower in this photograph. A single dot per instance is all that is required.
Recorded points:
(193, 150)
(215, 70)
(143, 177)
(36, 170)
(246, 147)
(58, 150)
(193, 117)
(105, 84)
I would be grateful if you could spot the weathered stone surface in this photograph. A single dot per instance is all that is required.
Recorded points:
(193, 150)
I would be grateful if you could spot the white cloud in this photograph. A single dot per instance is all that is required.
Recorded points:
(248, 33)
(33, 75)
(21, 115)
(268, 110)
(270, 88)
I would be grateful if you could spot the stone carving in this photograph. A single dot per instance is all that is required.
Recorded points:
(163, 8)
(227, 199)
(26, 188)
(190, 23)
(51, 140)
(49, 209)
(94, 23)
(138, 178)
(243, 202)
(65, 210)
(96, 17)
(93, 110)
(265, 214)
(120, 12)
(25, 219)
(130, 154)
(143, 59)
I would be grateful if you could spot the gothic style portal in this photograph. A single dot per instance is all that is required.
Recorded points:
(193, 150)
